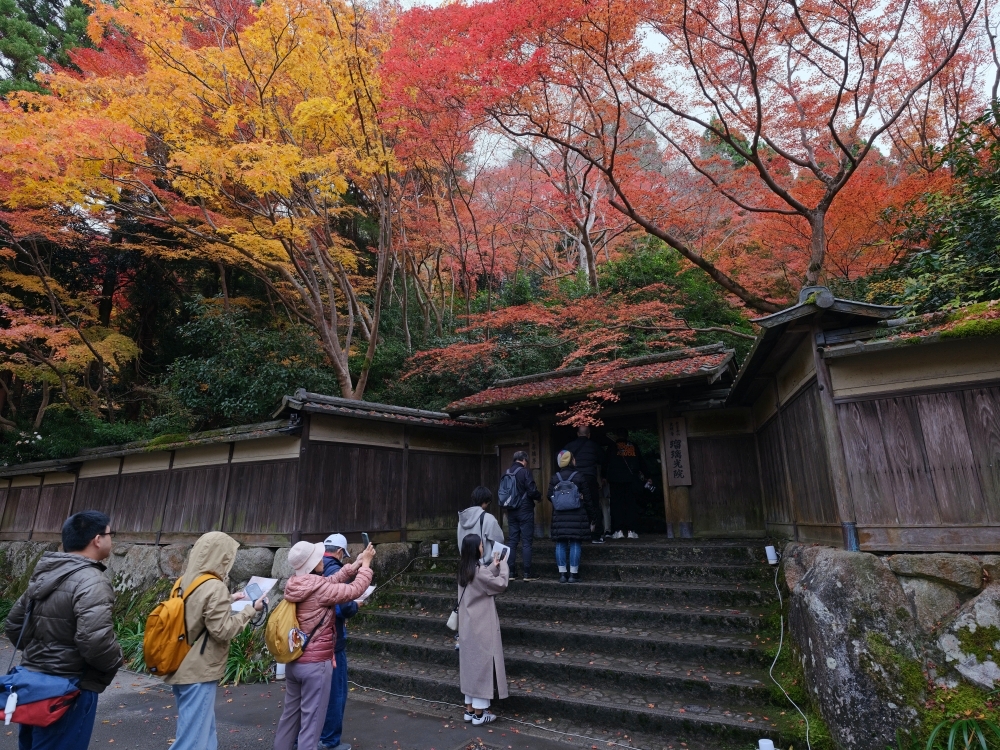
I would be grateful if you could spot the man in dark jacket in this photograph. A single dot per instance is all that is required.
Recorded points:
(70, 632)
(333, 727)
(589, 457)
(627, 471)
(521, 520)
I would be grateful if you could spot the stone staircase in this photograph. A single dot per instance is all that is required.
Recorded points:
(660, 642)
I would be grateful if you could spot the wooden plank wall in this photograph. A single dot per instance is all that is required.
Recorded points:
(924, 470)
(796, 490)
(725, 493)
(351, 488)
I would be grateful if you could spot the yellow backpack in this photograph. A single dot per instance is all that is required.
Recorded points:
(282, 635)
(166, 641)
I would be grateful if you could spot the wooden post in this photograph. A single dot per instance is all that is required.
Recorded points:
(789, 488)
(835, 449)
(406, 483)
(668, 508)
(541, 465)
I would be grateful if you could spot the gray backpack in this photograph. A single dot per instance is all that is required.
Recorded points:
(566, 495)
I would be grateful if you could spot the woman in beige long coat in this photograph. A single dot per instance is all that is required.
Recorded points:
(481, 650)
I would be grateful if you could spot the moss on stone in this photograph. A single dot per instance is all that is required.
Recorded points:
(788, 671)
(982, 644)
(973, 329)
(960, 702)
(167, 440)
(906, 671)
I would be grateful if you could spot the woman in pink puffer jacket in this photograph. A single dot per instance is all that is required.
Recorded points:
(307, 679)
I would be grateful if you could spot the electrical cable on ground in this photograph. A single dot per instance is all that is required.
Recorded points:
(781, 640)
(514, 721)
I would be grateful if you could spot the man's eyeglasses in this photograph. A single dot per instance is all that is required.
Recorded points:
(108, 533)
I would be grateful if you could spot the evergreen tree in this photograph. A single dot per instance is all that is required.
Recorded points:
(33, 30)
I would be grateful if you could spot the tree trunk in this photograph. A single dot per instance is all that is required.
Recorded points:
(105, 306)
(46, 393)
(224, 286)
(817, 246)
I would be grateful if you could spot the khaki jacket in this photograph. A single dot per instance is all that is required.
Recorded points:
(480, 654)
(209, 609)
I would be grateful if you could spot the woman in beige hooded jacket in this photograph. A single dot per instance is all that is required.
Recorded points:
(211, 624)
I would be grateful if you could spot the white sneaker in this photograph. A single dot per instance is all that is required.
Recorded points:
(618, 535)
(486, 718)
(633, 535)
(469, 717)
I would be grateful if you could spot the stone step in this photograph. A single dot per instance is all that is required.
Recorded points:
(556, 608)
(737, 651)
(632, 707)
(616, 570)
(675, 592)
(627, 550)
(565, 665)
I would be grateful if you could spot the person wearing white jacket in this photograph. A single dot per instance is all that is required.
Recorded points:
(478, 520)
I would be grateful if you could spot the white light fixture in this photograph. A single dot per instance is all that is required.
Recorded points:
(772, 559)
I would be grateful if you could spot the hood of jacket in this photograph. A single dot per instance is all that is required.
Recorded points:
(298, 588)
(52, 567)
(213, 553)
(468, 519)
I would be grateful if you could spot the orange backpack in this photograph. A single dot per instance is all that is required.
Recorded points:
(166, 641)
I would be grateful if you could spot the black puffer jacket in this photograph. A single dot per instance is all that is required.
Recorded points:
(573, 525)
(70, 632)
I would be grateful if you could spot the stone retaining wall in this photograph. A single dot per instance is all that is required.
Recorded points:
(137, 567)
(872, 631)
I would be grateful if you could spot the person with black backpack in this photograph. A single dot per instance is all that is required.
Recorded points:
(517, 496)
(575, 513)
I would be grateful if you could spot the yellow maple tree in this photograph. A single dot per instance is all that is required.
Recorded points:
(253, 130)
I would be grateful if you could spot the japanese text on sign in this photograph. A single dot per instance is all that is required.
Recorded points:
(675, 436)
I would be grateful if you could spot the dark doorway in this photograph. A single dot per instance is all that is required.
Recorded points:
(643, 432)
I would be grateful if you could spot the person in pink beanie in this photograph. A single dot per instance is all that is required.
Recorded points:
(307, 679)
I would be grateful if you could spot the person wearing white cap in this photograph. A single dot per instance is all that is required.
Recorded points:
(333, 727)
(308, 678)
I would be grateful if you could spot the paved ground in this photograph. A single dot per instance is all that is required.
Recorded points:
(138, 712)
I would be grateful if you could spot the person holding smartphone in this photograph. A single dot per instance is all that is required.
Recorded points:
(481, 655)
(308, 679)
(333, 727)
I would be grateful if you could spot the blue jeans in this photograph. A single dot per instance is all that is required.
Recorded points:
(334, 725)
(521, 525)
(195, 717)
(575, 551)
(71, 732)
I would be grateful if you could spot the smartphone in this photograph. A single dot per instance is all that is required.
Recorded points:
(253, 592)
(504, 553)
(364, 539)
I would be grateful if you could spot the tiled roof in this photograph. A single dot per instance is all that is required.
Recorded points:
(581, 381)
(974, 321)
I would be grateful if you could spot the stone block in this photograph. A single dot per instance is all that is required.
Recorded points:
(971, 642)
(20, 556)
(133, 567)
(390, 558)
(854, 627)
(991, 567)
(796, 559)
(280, 568)
(251, 561)
(961, 572)
(173, 559)
(933, 602)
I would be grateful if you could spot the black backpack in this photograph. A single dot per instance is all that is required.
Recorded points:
(566, 495)
(507, 494)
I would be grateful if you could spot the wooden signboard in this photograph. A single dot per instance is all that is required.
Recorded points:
(678, 467)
